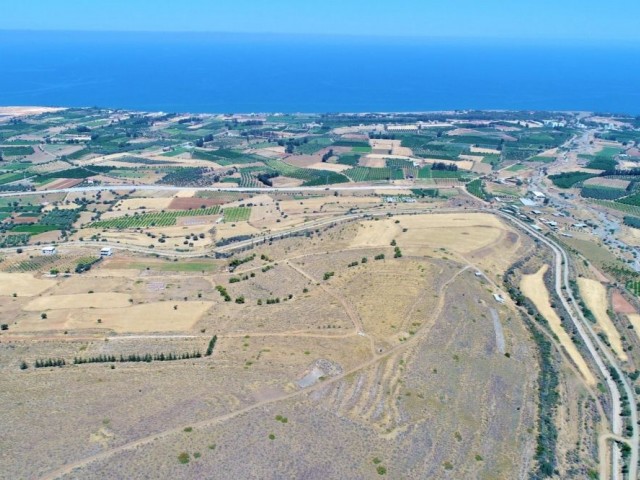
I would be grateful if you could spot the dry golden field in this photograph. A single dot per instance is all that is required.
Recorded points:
(533, 286)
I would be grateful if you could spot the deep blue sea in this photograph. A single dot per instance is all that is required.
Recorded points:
(262, 73)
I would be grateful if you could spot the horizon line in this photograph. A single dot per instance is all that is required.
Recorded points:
(352, 36)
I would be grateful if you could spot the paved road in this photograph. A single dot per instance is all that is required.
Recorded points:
(597, 350)
(170, 188)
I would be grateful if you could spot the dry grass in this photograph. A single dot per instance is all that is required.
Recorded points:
(151, 317)
(595, 296)
(23, 284)
(634, 318)
(78, 300)
(533, 286)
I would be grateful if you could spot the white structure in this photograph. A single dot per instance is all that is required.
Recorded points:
(106, 252)
(403, 128)
(49, 250)
(538, 195)
(498, 298)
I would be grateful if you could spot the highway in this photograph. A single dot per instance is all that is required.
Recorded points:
(171, 188)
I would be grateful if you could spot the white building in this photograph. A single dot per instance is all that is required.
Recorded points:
(106, 251)
(498, 298)
(51, 250)
(538, 195)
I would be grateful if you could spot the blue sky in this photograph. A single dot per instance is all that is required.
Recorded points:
(589, 20)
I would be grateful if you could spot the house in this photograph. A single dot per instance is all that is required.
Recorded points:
(106, 251)
(49, 250)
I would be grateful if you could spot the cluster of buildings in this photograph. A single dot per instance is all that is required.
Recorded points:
(52, 250)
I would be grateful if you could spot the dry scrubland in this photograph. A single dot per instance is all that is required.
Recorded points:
(360, 369)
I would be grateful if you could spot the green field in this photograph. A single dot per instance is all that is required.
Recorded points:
(309, 176)
(34, 229)
(621, 207)
(603, 160)
(353, 144)
(349, 159)
(236, 214)
(19, 151)
(448, 173)
(516, 167)
(14, 166)
(127, 173)
(569, 179)
(313, 145)
(182, 266)
(362, 149)
(10, 177)
(631, 200)
(367, 174)
(146, 220)
(476, 188)
(541, 159)
(176, 152)
(14, 240)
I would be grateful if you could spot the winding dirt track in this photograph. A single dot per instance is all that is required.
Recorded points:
(70, 467)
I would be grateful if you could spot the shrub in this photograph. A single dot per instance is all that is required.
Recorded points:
(212, 344)
(183, 458)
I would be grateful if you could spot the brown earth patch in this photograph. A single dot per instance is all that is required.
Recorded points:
(187, 203)
(197, 220)
(286, 182)
(303, 160)
(620, 304)
(64, 183)
(23, 220)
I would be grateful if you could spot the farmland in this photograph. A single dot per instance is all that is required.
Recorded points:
(365, 174)
(310, 177)
(395, 309)
(161, 219)
(236, 214)
(569, 179)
